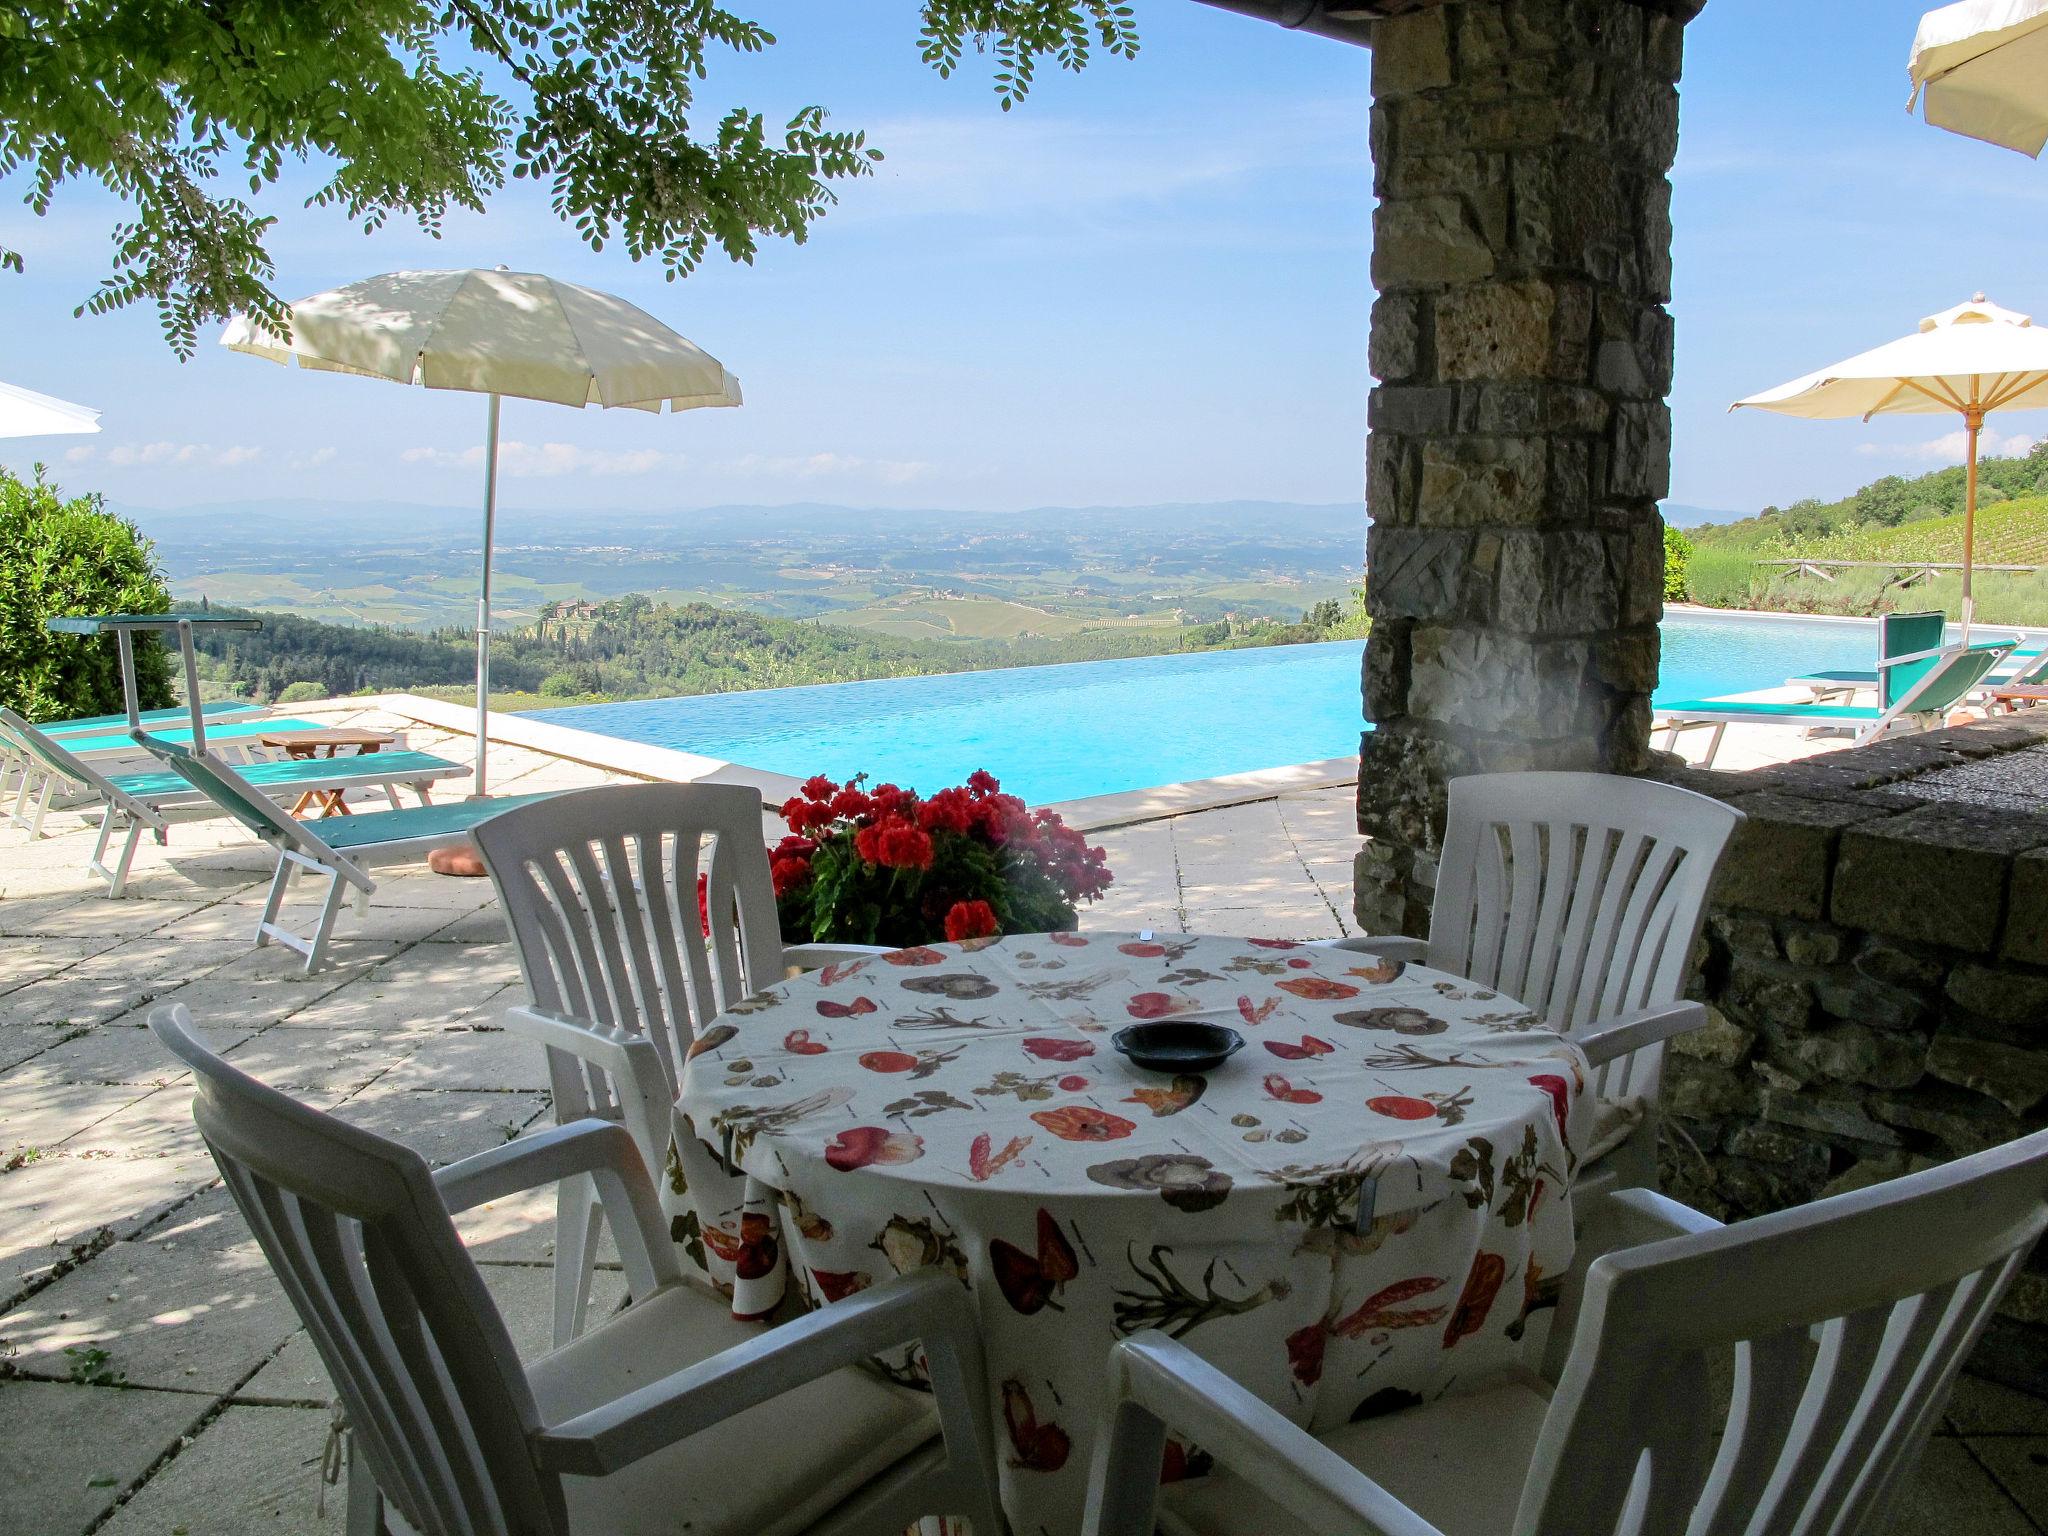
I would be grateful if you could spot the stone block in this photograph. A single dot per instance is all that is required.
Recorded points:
(1719, 1042)
(1959, 1121)
(1394, 341)
(1641, 463)
(1480, 481)
(1556, 583)
(1390, 480)
(2012, 1075)
(1859, 1000)
(1420, 573)
(1518, 408)
(1385, 667)
(1627, 659)
(1852, 1053)
(1697, 1091)
(1937, 874)
(1412, 409)
(2026, 918)
(1898, 966)
(1806, 944)
(1516, 330)
(1411, 53)
(1778, 860)
(2005, 995)
(1428, 242)
(1768, 999)
(1836, 1118)
(1746, 936)
(1481, 680)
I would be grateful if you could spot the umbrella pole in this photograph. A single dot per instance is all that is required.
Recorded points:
(483, 600)
(1973, 420)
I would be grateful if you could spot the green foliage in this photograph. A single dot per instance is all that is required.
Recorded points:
(60, 558)
(301, 693)
(1720, 578)
(1884, 503)
(601, 107)
(1677, 556)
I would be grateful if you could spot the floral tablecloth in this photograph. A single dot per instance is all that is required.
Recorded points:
(1358, 1210)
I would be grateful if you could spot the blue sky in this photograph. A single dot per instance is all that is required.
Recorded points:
(1147, 284)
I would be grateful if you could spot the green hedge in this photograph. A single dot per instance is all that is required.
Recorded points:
(61, 557)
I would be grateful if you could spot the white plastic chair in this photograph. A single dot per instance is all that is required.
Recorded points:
(1847, 1321)
(600, 891)
(667, 1419)
(1581, 895)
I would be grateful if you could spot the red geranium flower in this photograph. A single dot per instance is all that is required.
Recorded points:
(818, 787)
(970, 920)
(982, 782)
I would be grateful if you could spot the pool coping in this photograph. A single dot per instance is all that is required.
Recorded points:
(1092, 813)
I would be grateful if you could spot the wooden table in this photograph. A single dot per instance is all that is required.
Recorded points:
(325, 743)
(2013, 695)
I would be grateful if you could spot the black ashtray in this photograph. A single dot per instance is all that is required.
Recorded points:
(1178, 1045)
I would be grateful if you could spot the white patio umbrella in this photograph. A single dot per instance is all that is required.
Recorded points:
(24, 413)
(1972, 360)
(1982, 69)
(495, 333)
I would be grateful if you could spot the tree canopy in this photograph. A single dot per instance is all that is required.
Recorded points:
(399, 103)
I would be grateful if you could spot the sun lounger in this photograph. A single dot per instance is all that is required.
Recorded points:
(1951, 677)
(149, 802)
(1905, 640)
(237, 735)
(88, 725)
(337, 850)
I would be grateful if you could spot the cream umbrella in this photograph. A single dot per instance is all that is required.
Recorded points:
(1972, 360)
(1982, 69)
(24, 413)
(494, 333)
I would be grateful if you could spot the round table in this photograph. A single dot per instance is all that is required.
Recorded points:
(1357, 1211)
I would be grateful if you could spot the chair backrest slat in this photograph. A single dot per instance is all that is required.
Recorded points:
(602, 897)
(1846, 1320)
(359, 1237)
(1906, 634)
(1579, 894)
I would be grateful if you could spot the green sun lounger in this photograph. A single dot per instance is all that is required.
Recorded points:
(88, 725)
(1906, 643)
(338, 850)
(149, 802)
(1946, 681)
(236, 733)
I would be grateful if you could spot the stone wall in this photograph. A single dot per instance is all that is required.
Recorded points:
(1876, 962)
(1520, 440)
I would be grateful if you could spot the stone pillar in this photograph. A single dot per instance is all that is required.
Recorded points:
(1520, 437)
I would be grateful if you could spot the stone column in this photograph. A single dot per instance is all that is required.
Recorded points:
(1520, 437)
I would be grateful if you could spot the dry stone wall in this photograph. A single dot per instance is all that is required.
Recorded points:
(1876, 963)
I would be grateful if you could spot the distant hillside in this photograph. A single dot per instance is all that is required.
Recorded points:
(632, 647)
(2008, 533)
(1890, 502)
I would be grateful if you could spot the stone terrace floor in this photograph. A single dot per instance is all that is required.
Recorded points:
(152, 1377)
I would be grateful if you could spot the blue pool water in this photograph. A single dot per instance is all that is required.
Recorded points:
(1098, 727)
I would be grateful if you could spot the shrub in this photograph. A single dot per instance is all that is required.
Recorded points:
(561, 685)
(58, 558)
(890, 867)
(1677, 556)
(1720, 578)
(300, 693)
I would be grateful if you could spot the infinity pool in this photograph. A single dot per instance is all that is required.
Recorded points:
(1098, 727)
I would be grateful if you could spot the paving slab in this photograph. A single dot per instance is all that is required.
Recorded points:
(250, 1471)
(68, 1452)
(443, 1127)
(60, 1207)
(186, 1318)
(1951, 1493)
(2020, 1463)
(491, 1060)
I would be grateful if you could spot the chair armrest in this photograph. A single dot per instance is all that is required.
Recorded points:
(1157, 1383)
(1624, 1218)
(929, 1306)
(597, 1148)
(1606, 1040)
(1391, 946)
(639, 1079)
(812, 957)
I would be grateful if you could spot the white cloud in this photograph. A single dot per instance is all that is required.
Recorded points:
(1953, 447)
(160, 455)
(819, 466)
(313, 460)
(533, 461)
